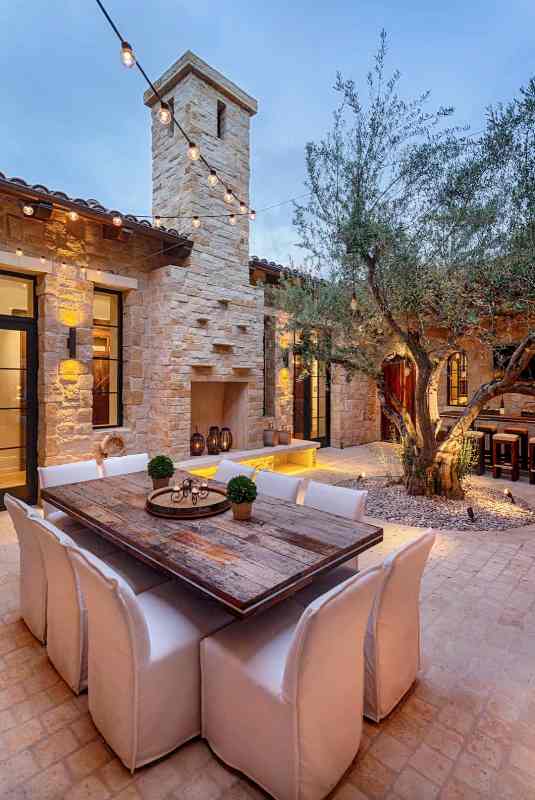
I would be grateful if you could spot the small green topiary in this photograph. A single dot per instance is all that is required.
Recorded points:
(241, 489)
(160, 467)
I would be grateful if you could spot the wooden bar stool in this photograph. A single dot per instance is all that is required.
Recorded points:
(478, 438)
(531, 459)
(523, 435)
(489, 429)
(502, 442)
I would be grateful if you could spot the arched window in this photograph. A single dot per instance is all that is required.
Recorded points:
(457, 380)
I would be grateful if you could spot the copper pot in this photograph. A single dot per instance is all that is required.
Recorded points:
(242, 511)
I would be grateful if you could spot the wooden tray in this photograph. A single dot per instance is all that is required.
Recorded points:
(159, 504)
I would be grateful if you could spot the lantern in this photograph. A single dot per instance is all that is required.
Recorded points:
(197, 443)
(212, 441)
(225, 440)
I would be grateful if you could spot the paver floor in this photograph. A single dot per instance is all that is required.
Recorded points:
(467, 730)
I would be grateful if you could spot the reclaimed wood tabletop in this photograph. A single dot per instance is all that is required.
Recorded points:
(246, 566)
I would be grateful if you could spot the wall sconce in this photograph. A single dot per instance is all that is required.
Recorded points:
(285, 353)
(71, 343)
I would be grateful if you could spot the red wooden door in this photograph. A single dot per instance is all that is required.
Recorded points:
(400, 378)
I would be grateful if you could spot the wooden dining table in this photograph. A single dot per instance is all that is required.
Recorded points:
(246, 566)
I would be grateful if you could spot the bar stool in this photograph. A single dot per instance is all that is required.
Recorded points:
(531, 459)
(501, 442)
(490, 430)
(478, 439)
(523, 435)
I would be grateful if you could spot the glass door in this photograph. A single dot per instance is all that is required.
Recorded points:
(312, 402)
(18, 388)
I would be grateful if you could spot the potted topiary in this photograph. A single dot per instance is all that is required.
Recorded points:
(160, 469)
(241, 491)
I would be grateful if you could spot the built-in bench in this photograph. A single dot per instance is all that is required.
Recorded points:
(300, 453)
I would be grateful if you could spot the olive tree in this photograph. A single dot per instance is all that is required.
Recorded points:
(420, 235)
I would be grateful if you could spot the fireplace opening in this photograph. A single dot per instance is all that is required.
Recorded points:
(220, 403)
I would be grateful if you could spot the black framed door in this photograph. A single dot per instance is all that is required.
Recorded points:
(312, 406)
(18, 404)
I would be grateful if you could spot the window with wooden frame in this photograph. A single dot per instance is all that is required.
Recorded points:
(107, 359)
(457, 379)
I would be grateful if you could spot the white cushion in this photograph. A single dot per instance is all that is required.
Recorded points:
(124, 465)
(283, 692)
(144, 671)
(338, 500)
(62, 474)
(230, 469)
(392, 645)
(33, 586)
(275, 484)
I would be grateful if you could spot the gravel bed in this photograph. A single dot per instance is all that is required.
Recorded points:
(492, 510)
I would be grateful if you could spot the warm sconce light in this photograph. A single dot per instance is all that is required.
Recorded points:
(69, 317)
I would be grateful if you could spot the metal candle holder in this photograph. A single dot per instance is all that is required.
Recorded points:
(189, 488)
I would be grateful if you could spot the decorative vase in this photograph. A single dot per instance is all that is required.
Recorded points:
(225, 440)
(212, 441)
(196, 443)
(271, 438)
(242, 511)
(284, 437)
(160, 483)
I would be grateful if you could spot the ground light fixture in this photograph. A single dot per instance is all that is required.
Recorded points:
(471, 515)
(508, 493)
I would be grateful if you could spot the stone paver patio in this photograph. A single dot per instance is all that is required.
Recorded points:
(467, 730)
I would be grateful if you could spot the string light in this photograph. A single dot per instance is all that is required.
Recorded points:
(73, 216)
(18, 252)
(193, 151)
(165, 114)
(157, 222)
(196, 222)
(243, 207)
(212, 178)
(232, 219)
(252, 215)
(28, 210)
(127, 55)
(229, 197)
(117, 220)
(42, 259)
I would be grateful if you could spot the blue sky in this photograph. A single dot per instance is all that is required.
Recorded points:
(72, 118)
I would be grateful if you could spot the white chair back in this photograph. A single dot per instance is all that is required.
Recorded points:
(33, 586)
(324, 677)
(124, 465)
(338, 500)
(66, 616)
(230, 469)
(393, 636)
(61, 474)
(275, 484)
(118, 647)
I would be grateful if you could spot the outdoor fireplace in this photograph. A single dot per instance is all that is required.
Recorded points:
(221, 404)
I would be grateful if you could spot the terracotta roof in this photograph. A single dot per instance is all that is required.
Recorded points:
(90, 207)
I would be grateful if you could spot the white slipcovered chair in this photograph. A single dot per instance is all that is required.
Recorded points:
(275, 484)
(33, 586)
(283, 692)
(124, 465)
(60, 475)
(227, 469)
(66, 614)
(143, 665)
(392, 644)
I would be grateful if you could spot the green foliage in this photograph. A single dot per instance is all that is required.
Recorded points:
(467, 459)
(160, 467)
(241, 489)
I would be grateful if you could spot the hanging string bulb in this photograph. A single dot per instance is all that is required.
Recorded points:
(232, 219)
(42, 259)
(193, 151)
(354, 303)
(127, 55)
(164, 114)
(212, 178)
(196, 222)
(252, 215)
(157, 222)
(73, 216)
(18, 252)
(229, 197)
(117, 220)
(243, 207)
(28, 210)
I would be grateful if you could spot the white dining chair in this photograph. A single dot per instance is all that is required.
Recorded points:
(275, 484)
(392, 644)
(143, 664)
(282, 693)
(33, 586)
(60, 475)
(125, 465)
(344, 502)
(227, 469)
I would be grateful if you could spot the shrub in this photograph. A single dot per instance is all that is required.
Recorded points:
(160, 467)
(241, 489)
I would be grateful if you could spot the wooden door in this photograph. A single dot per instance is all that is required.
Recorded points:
(400, 379)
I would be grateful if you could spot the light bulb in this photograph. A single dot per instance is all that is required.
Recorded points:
(117, 220)
(28, 210)
(232, 219)
(252, 214)
(157, 222)
(42, 259)
(243, 207)
(229, 198)
(193, 151)
(165, 114)
(18, 252)
(127, 55)
(212, 178)
(196, 222)
(73, 216)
